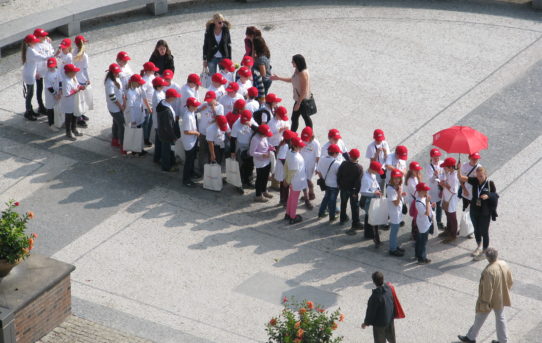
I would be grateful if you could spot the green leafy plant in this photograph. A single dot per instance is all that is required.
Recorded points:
(15, 244)
(304, 322)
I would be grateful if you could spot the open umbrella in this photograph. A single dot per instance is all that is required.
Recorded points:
(460, 140)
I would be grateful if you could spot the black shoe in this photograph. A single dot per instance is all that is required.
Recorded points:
(240, 190)
(248, 185)
(401, 249)
(189, 184)
(440, 226)
(322, 215)
(397, 253)
(350, 232)
(148, 144)
(402, 223)
(71, 138)
(42, 111)
(81, 123)
(30, 116)
(378, 245)
(287, 217)
(466, 339)
(427, 261)
(494, 341)
(332, 219)
(296, 220)
(142, 153)
(346, 220)
(385, 227)
(84, 117)
(77, 133)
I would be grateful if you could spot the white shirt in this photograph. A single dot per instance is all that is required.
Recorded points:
(282, 154)
(207, 116)
(64, 59)
(422, 221)
(434, 193)
(69, 86)
(227, 101)
(189, 124)
(341, 145)
(465, 170)
(227, 75)
(82, 63)
(177, 104)
(396, 163)
(33, 58)
(311, 153)
(277, 126)
(395, 212)
(258, 148)
(44, 48)
(187, 92)
(371, 151)
(243, 88)
(243, 133)
(411, 189)
(215, 135)
(111, 88)
(157, 96)
(148, 88)
(451, 195)
(329, 170)
(134, 105)
(50, 80)
(220, 91)
(295, 161)
(218, 38)
(369, 184)
(125, 74)
(252, 105)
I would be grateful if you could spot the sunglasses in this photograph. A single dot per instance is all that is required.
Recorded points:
(220, 22)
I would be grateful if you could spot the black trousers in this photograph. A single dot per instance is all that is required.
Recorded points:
(295, 118)
(157, 148)
(188, 168)
(481, 227)
(71, 124)
(354, 205)
(39, 92)
(466, 203)
(382, 334)
(50, 116)
(246, 166)
(262, 176)
(117, 129)
(167, 156)
(29, 94)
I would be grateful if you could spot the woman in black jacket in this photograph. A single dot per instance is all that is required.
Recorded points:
(162, 57)
(217, 42)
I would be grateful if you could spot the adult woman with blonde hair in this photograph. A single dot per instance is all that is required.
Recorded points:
(216, 43)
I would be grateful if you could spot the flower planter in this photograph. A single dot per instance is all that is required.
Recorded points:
(6, 267)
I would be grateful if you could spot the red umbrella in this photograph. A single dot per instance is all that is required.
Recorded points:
(460, 140)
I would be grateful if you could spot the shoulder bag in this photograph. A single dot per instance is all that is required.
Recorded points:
(322, 182)
(308, 106)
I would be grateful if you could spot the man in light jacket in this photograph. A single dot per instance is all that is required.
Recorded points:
(493, 294)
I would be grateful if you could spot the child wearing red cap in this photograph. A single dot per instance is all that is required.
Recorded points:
(244, 76)
(226, 67)
(238, 108)
(413, 177)
(64, 53)
(311, 155)
(260, 151)
(217, 85)
(167, 134)
(116, 102)
(349, 180)
(395, 194)
(468, 169)
(424, 210)
(52, 91)
(148, 73)
(159, 84)
(433, 174)
(70, 88)
(190, 89)
(334, 137)
(252, 102)
(328, 167)
(396, 160)
(283, 150)
(370, 188)
(80, 60)
(450, 185)
(31, 58)
(136, 104)
(189, 138)
(44, 47)
(126, 70)
(241, 133)
(378, 150)
(216, 138)
(231, 96)
(208, 110)
(296, 178)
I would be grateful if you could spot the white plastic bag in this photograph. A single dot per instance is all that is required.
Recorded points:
(212, 177)
(81, 106)
(205, 78)
(378, 211)
(465, 226)
(233, 174)
(133, 139)
(59, 115)
(87, 94)
(179, 150)
(272, 161)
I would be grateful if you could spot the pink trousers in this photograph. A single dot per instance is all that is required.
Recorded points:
(291, 205)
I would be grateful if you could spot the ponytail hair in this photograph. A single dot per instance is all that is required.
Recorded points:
(80, 50)
(112, 77)
(24, 46)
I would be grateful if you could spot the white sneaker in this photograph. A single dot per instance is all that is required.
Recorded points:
(479, 257)
(476, 252)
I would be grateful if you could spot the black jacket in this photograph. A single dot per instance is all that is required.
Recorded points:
(167, 132)
(163, 62)
(380, 308)
(210, 46)
(349, 176)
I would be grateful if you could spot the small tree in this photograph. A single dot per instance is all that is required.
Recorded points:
(15, 245)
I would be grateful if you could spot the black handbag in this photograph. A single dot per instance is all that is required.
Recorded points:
(309, 106)
(404, 209)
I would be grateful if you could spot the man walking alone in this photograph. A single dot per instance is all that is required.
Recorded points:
(381, 311)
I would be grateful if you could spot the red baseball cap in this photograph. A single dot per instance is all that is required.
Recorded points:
(227, 64)
(307, 133)
(435, 152)
(402, 152)
(114, 68)
(70, 68)
(232, 87)
(378, 135)
(51, 62)
(475, 156)
(246, 116)
(40, 33)
(219, 78)
(415, 166)
(334, 133)
(167, 74)
(396, 173)
(239, 104)
(247, 61)
(29, 39)
(137, 78)
(222, 122)
(123, 56)
(354, 154)
(194, 78)
(78, 39)
(210, 95)
(377, 167)
(265, 130)
(448, 162)
(192, 102)
(281, 111)
(296, 141)
(288, 134)
(149, 66)
(66, 43)
(422, 187)
(172, 93)
(333, 149)
(158, 82)
(252, 92)
(272, 97)
(244, 72)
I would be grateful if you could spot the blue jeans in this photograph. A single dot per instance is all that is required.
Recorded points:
(213, 65)
(147, 126)
(420, 246)
(329, 201)
(394, 230)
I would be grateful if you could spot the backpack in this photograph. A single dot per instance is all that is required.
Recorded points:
(257, 115)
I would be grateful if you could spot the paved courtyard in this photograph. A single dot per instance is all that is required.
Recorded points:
(169, 264)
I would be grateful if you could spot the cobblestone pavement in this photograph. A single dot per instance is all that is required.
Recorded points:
(79, 330)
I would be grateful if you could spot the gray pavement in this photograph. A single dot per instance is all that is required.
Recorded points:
(174, 265)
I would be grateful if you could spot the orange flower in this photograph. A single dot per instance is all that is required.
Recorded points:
(310, 305)
(30, 243)
(297, 325)
(273, 322)
(333, 326)
(30, 214)
(300, 333)
(302, 311)
(35, 235)
(297, 340)
(321, 310)
(341, 318)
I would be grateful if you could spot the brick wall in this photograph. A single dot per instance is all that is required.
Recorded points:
(45, 313)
